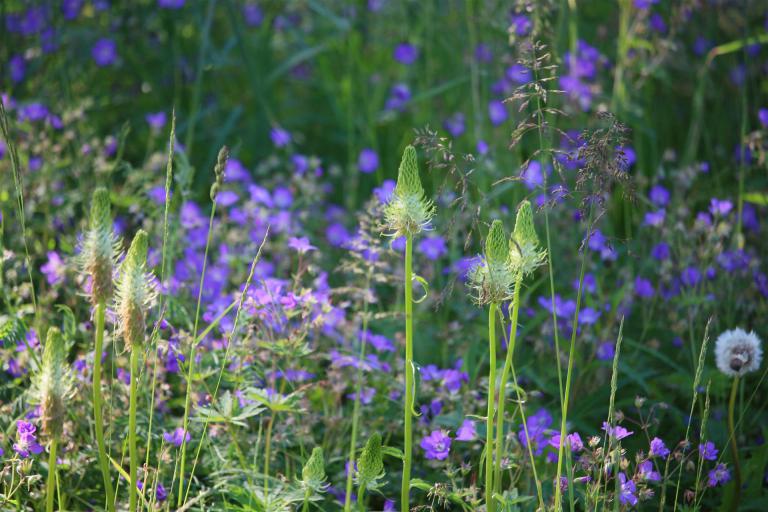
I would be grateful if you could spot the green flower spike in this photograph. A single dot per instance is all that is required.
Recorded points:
(492, 279)
(53, 385)
(370, 466)
(525, 255)
(408, 211)
(134, 292)
(99, 248)
(313, 473)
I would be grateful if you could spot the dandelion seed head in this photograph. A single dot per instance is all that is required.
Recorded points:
(738, 352)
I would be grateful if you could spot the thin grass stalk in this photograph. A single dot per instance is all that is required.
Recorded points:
(409, 377)
(132, 448)
(734, 505)
(702, 440)
(51, 484)
(97, 407)
(240, 303)
(508, 363)
(191, 360)
(490, 504)
(696, 380)
(356, 406)
(571, 357)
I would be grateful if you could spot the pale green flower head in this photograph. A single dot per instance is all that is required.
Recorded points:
(313, 473)
(492, 279)
(408, 211)
(525, 255)
(53, 383)
(370, 465)
(134, 292)
(99, 249)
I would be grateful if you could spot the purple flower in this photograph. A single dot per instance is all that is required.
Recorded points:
(707, 451)
(54, 269)
(433, 247)
(301, 245)
(718, 207)
(518, 74)
(104, 52)
(659, 195)
(337, 235)
(399, 96)
(718, 475)
(618, 432)
(643, 288)
(606, 351)
(366, 395)
(466, 431)
(644, 4)
(657, 23)
(646, 472)
(628, 489)
(660, 251)
(253, 14)
(497, 112)
(532, 175)
(368, 161)
(762, 115)
(588, 316)
(537, 426)
(436, 445)
(483, 53)
(170, 4)
(572, 440)
(26, 440)
(406, 53)
(156, 121)
(455, 125)
(33, 112)
(520, 24)
(177, 437)
(280, 137)
(17, 67)
(71, 9)
(690, 277)
(658, 448)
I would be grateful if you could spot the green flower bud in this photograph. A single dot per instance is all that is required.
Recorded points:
(370, 466)
(218, 170)
(492, 279)
(524, 252)
(52, 384)
(313, 473)
(134, 292)
(408, 211)
(99, 248)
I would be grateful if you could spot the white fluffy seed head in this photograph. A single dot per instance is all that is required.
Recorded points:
(738, 352)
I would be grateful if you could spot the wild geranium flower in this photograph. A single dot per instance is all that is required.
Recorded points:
(643, 288)
(26, 439)
(738, 352)
(618, 432)
(707, 451)
(406, 53)
(301, 244)
(104, 52)
(368, 161)
(646, 471)
(572, 440)
(280, 137)
(467, 431)
(628, 489)
(436, 445)
(658, 448)
(497, 112)
(717, 476)
(433, 247)
(54, 269)
(177, 437)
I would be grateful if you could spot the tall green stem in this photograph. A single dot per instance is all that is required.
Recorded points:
(191, 361)
(734, 447)
(132, 450)
(489, 503)
(503, 385)
(51, 476)
(356, 407)
(97, 407)
(408, 441)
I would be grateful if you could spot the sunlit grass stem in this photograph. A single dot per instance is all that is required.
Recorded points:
(132, 447)
(97, 407)
(409, 377)
(489, 502)
(734, 446)
(51, 484)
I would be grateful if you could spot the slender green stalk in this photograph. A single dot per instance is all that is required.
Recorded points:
(489, 503)
(97, 407)
(268, 453)
(191, 360)
(361, 498)
(409, 377)
(734, 446)
(508, 362)
(356, 407)
(132, 449)
(51, 476)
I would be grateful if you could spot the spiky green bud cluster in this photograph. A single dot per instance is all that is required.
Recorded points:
(218, 170)
(135, 292)
(408, 212)
(492, 279)
(370, 465)
(99, 248)
(525, 255)
(313, 472)
(53, 384)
